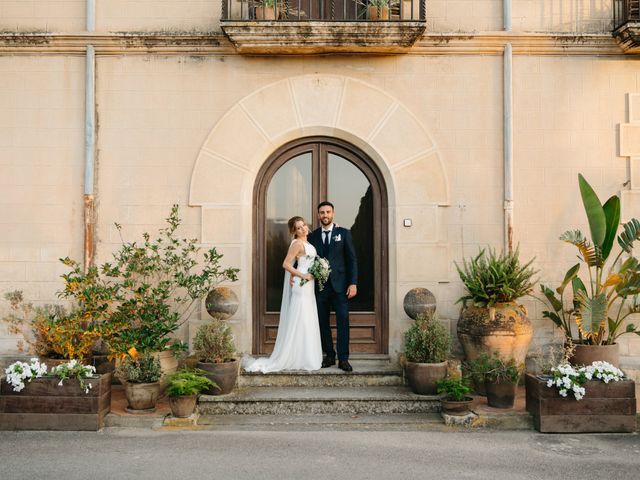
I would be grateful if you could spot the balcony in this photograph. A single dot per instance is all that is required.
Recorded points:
(626, 24)
(280, 27)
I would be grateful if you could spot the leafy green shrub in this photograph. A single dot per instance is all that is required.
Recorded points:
(491, 278)
(135, 368)
(456, 388)
(426, 340)
(155, 286)
(213, 342)
(495, 369)
(188, 382)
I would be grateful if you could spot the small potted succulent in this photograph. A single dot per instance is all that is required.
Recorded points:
(456, 390)
(183, 388)
(140, 374)
(426, 349)
(216, 353)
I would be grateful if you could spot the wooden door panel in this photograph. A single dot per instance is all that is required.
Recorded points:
(369, 328)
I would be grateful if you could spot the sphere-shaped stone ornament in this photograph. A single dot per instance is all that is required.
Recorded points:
(222, 303)
(419, 301)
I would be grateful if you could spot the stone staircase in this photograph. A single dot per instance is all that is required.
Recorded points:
(374, 387)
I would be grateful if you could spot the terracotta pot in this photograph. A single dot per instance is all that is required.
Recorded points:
(224, 375)
(142, 396)
(422, 377)
(168, 364)
(183, 406)
(504, 329)
(265, 13)
(587, 354)
(378, 13)
(454, 407)
(500, 395)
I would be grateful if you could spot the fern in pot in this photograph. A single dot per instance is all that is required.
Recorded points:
(491, 320)
(183, 388)
(427, 344)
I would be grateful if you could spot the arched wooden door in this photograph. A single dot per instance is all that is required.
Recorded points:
(293, 181)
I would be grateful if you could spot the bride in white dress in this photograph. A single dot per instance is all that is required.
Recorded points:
(298, 344)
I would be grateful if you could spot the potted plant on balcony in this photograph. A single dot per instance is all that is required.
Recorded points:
(601, 307)
(426, 349)
(265, 10)
(215, 350)
(156, 285)
(140, 374)
(491, 320)
(183, 388)
(500, 378)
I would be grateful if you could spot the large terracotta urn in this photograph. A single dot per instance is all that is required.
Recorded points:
(504, 328)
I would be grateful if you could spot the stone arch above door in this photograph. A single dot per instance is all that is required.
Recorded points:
(225, 171)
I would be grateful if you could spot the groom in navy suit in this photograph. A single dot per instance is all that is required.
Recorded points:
(335, 244)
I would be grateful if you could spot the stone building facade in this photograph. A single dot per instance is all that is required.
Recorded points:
(183, 116)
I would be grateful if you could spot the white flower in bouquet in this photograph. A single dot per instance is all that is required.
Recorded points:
(320, 269)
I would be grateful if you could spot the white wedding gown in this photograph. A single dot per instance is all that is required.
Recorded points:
(298, 345)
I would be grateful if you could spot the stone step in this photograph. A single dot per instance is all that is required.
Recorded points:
(316, 400)
(364, 375)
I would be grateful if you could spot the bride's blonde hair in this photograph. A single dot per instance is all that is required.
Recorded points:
(292, 224)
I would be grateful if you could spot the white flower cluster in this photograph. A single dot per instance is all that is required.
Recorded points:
(568, 379)
(74, 369)
(18, 372)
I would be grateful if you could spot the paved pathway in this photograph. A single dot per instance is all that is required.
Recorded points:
(142, 453)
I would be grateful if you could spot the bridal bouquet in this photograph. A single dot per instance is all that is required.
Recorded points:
(320, 269)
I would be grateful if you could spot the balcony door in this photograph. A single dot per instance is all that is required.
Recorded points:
(292, 182)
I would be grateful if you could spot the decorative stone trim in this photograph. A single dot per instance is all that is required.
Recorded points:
(216, 43)
(322, 37)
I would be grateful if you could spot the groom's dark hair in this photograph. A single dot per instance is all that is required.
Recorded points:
(325, 204)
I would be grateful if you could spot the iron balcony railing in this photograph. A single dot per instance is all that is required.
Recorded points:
(625, 11)
(324, 10)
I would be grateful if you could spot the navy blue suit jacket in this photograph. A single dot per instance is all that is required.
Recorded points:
(341, 256)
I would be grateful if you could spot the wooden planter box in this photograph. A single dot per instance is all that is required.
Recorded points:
(605, 407)
(43, 405)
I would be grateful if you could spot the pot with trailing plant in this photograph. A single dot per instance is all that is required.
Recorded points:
(491, 319)
(183, 388)
(426, 346)
(140, 375)
(70, 396)
(214, 348)
(456, 392)
(500, 378)
(564, 398)
(596, 311)
(157, 284)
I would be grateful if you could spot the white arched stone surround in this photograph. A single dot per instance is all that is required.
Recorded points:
(225, 171)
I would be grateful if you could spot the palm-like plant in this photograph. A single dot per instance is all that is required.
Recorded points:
(620, 282)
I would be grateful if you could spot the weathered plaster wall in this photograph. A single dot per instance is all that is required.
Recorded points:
(42, 15)
(41, 174)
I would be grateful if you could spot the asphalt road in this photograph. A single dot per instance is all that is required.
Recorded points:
(351, 455)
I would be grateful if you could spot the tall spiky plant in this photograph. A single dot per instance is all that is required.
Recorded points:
(591, 307)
